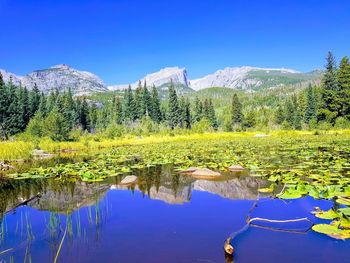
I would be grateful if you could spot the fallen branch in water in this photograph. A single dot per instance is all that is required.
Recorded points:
(24, 202)
(278, 221)
(292, 231)
(249, 222)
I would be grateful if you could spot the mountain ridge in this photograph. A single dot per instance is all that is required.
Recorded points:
(59, 76)
(245, 78)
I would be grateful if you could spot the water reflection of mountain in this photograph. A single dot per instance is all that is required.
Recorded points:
(163, 193)
(235, 188)
(68, 199)
(158, 183)
(55, 195)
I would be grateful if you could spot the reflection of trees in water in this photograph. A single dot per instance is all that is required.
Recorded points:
(160, 179)
(12, 192)
(63, 200)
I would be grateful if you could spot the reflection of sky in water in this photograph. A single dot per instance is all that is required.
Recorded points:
(188, 227)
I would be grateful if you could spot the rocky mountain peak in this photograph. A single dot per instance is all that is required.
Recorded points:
(162, 77)
(61, 66)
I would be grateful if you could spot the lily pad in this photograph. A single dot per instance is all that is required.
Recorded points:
(332, 231)
(330, 214)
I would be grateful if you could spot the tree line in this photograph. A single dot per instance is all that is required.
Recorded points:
(326, 105)
(59, 114)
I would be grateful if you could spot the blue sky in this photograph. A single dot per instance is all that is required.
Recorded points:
(122, 40)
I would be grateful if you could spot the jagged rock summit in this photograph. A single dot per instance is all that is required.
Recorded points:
(63, 77)
(160, 78)
(244, 78)
(251, 78)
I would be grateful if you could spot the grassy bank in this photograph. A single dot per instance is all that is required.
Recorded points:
(22, 150)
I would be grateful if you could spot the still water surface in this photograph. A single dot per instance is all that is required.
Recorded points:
(165, 218)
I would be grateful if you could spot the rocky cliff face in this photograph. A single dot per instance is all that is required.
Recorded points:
(251, 78)
(236, 188)
(6, 76)
(245, 78)
(160, 78)
(63, 77)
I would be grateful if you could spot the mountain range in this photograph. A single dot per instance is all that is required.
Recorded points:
(241, 78)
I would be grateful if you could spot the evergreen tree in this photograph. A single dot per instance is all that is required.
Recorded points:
(343, 77)
(3, 108)
(36, 126)
(23, 107)
(279, 115)
(67, 107)
(310, 111)
(117, 111)
(130, 112)
(93, 117)
(236, 111)
(43, 105)
(174, 111)
(331, 103)
(146, 101)
(198, 110)
(249, 119)
(14, 123)
(83, 114)
(182, 109)
(289, 113)
(206, 109)
(187, 115)
(211, 115)
(34, 100)
(155, 114)
(52, 100)
(56, 126)
(209, 112)
(140, 106)
(297, 119)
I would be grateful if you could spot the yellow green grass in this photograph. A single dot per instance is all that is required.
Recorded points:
(22, 150)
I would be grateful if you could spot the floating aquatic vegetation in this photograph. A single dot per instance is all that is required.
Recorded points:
(317, 166)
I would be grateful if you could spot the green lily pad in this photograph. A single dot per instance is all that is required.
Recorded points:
(332, 231)
(290, 194)
(343, 201)
(330, 214)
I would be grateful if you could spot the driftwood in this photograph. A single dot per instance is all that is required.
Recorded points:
(249, 222)
(278, 221)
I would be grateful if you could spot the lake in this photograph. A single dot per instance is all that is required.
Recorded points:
(167, 217)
